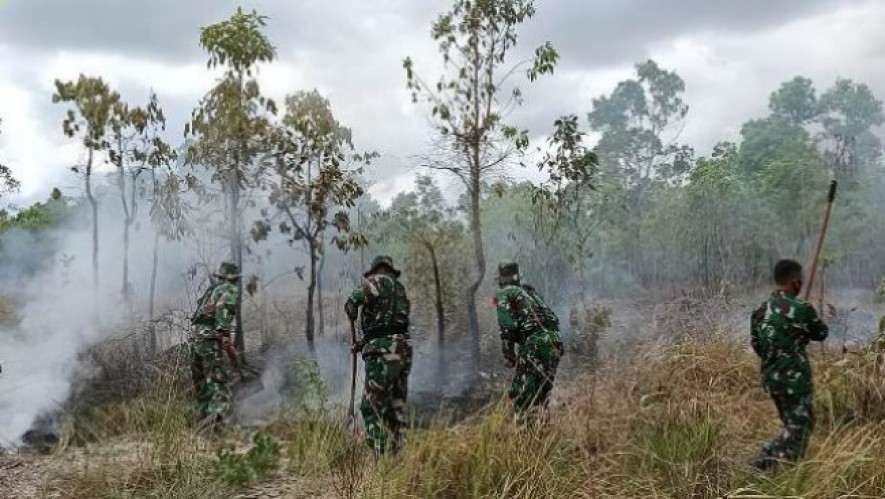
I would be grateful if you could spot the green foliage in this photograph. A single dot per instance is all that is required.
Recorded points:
(93, 104)
(237, 42)
(488, 459)
(729, 216)
(38, 216)
(569, 164)
(795, 101)
(309, 390)
(633, 121)
(468, 103)
(421, 230)
(8, 183)
(238, 468)
(680, 453)
(850, 109)
(314, 178)
(231, 126)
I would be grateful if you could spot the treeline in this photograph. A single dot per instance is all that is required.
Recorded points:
(639, 209)
(657, 215)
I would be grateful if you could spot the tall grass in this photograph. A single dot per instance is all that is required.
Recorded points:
(677, 420)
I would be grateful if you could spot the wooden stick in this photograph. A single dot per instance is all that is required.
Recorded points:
(819, 244)
(351, 411)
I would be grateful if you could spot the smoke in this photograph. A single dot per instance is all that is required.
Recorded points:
(47, 287)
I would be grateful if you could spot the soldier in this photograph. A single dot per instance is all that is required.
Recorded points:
(527, 322)
(780, 330)
(211, 344)
(387, 352)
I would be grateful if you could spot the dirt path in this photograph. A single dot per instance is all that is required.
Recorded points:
(24, 476)
(28, 476)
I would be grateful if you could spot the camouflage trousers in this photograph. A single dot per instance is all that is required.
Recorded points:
(536, 364)
(388, 361)
(796, 412)
(211, 376)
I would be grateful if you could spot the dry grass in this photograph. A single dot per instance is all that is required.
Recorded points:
(676, 421)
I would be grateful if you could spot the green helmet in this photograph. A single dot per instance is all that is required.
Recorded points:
(508, 273)
(382, 261)
(228, 270)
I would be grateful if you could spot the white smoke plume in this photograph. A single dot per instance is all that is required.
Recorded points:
(47, 278)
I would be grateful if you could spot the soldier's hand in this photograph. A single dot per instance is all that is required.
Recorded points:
(509, 362)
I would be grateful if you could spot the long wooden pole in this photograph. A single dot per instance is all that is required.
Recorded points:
(818, 246)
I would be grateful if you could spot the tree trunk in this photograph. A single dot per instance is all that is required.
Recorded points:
(311, 289)
(479, 255)
(236, 236)
(94, 204)
(127, 221)
(127, 287)
(440, 316)
(321, 311)
(151, 299)
(236, 255)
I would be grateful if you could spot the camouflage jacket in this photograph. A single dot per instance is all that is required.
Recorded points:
(385, 306)
(780, 329)
(521, 312)
(215, 311)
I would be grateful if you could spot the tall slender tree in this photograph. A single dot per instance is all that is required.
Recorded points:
(231, 126)
(431, 229)
(469, 102)
(134, 143)
(92, 105)
(313, 182)
(640, 123)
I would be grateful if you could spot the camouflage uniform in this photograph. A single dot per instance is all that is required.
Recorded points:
(780, 330)
(526, 320)
(209, 365)
(387, 353)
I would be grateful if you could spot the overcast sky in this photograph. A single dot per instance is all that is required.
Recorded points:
(732, 54)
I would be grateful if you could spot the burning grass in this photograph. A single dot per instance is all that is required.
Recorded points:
(679, 420)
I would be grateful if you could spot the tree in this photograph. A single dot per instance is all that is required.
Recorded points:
(638, 151)
(92, 104)
(431, 228)
(469, 102)
(135, 144)
(8, 183)
(167, 209)
(848, 111)
(231, 127)
(312, 184)
(795, 101)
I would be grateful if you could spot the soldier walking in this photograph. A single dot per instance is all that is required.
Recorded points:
(781, 328)
(530, 340)
(386, 350)
(211, 343)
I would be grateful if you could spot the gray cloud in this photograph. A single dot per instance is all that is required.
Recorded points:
(587, 31)
(169, 29)
(605, 32)
(351, 50)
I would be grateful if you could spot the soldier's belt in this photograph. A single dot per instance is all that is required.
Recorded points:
(385, 332)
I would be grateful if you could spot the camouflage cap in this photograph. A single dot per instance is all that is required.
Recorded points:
(382, 261)
(228, 270)
(508, 273)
